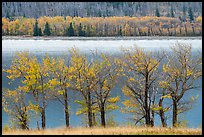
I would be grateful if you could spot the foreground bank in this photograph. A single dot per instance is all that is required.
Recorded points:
(108, 131)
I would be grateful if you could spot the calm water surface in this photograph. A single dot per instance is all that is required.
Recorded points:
(55, 113)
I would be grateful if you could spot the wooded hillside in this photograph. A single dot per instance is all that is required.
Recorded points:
(99, 9)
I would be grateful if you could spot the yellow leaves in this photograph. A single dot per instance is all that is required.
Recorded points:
(126, 91)
(156, 108)
(189, 72)
(129, 104)
(167, 96)
(9, 71)
(68, 84)
(61, 92)
(34, 107)
(53, 82)
(131, 79)
(165, 68)
(111, 107)
(164, 84)
(10, 77)
(199, 19)
(113, 99)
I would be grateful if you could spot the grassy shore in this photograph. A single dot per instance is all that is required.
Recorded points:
(108, 131)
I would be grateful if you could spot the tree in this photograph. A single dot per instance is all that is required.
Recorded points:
(106, 76)
(83, 79)
(80, 31)
(120, 31)
(190, 14)
(39, 32)
(14, 104)
(8, 15)
(181, 72)
(47, 30)
(34, 76)
(141, 72)
(35, 31)
(172, 12)
(60, 82)
(157, 13)
(70, 30)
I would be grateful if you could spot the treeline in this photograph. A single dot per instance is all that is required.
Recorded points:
(102, 27)
(99, 9)
(154, 83)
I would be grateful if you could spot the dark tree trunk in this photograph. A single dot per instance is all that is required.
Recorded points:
(147, 110)
(152, 119)
(193, 30)
(24, 121)
(66, 111)
(161, 114)
(89, 110)
(103, 122)
(175, 111)
(186, 30)
(43, 118)
(94, 119)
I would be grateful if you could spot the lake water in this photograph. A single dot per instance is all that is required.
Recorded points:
(55, 113)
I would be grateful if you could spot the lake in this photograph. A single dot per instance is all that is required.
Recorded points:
(58, 47)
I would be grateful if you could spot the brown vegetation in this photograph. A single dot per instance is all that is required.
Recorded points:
(108, 131)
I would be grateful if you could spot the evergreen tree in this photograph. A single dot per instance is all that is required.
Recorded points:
(80, 31)
(168, 14)
(190, 14)
(47, 29)
(157, 12)
(39, 32)
(70, 30)
(35, 30)
(172, 12)
(120, 32)
(184, 10)
(24, 16)
(7, 15)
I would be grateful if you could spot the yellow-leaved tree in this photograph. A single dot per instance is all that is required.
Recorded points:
(181, 71)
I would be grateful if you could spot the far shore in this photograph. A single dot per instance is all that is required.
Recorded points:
(98, 38)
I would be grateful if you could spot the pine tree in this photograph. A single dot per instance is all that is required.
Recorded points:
(80, 31)
(157, 12)
(7, 15)
(47, 29)
(190, 14)
(70, 30)
(120, 32)
(172, 12)
(39, 32)
(35, 30)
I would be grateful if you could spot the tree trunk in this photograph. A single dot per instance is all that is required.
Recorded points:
(186, 30)
(161, 114)
(175, 111)
(103, 122)
(147, 110)
(66, 111)
(152, 119)
(94, 119)
(43, 117)
(89, 110)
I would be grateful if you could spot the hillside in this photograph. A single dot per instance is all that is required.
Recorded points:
(99, 9)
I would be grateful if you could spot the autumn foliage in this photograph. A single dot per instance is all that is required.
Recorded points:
(147, 78)
(105, 26)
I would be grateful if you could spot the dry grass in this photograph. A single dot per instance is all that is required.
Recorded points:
(108, 131)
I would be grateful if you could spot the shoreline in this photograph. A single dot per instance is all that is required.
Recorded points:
(99, 38)
(118, 130)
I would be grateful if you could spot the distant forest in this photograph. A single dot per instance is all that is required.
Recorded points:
(100, 9)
